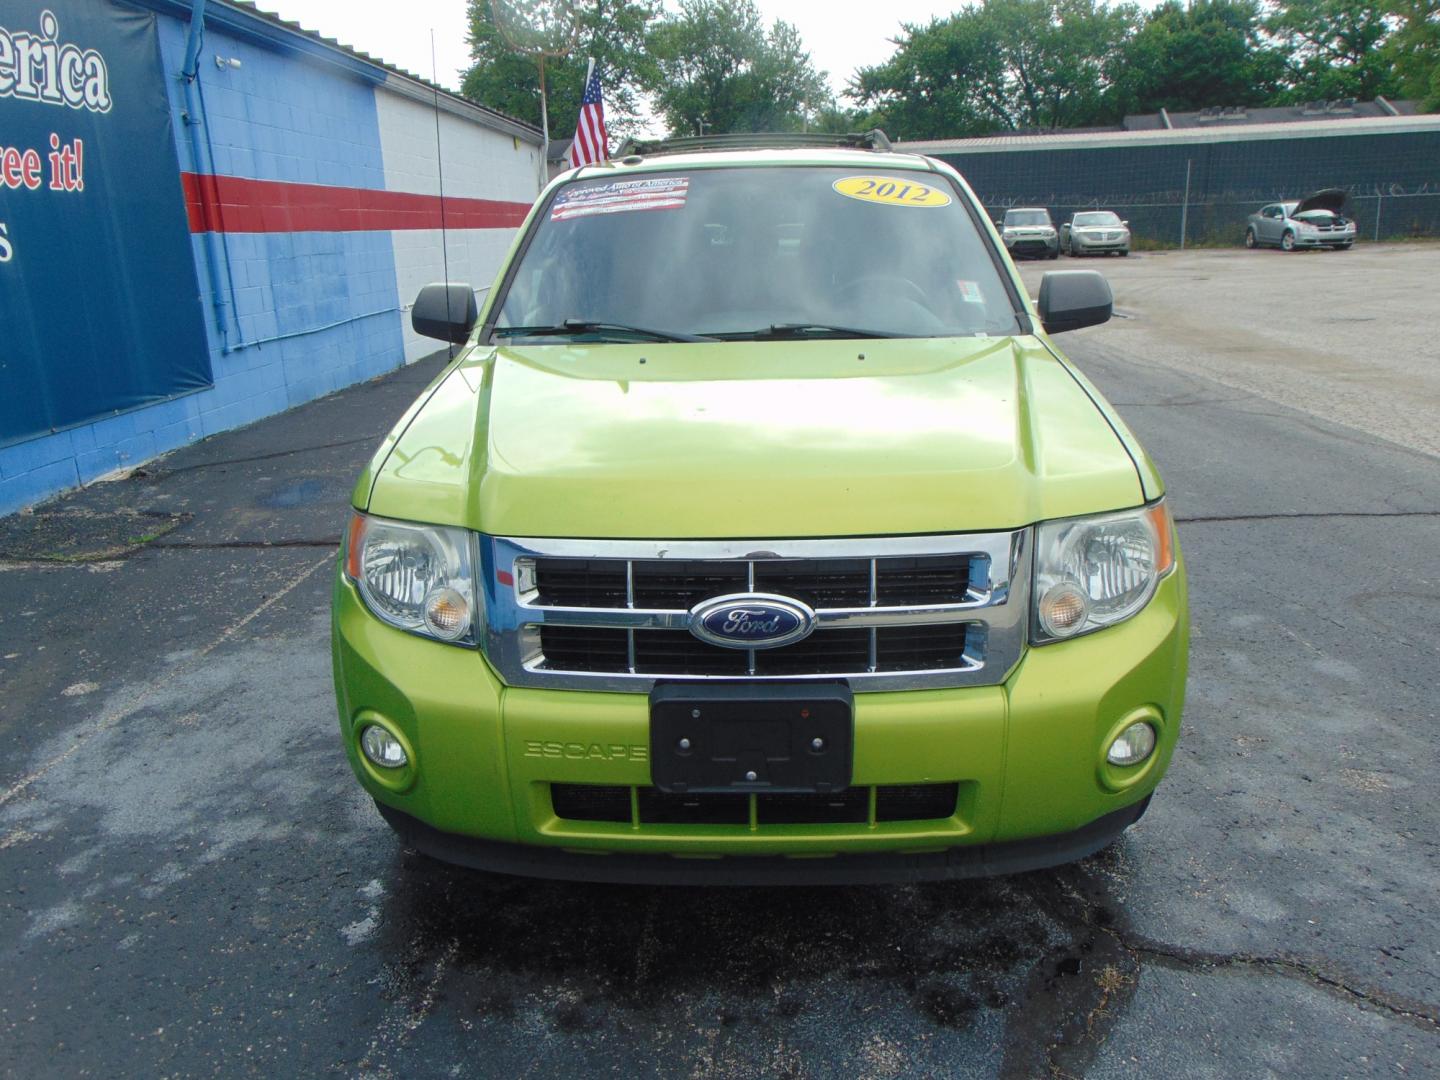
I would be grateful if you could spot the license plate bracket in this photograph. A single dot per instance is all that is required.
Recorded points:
(743, 737)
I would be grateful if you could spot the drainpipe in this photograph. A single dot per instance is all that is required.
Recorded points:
(194, 119)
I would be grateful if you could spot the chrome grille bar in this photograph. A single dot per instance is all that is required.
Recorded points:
(750, 584)
(994, 608)
(675, 619)
(630, 603)
(874, 599)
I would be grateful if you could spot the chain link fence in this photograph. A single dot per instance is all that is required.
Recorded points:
(1183, 195)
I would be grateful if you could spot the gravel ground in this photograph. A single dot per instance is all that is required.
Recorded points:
(1352, 337)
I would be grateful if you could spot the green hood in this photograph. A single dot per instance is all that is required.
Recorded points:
(777, 439)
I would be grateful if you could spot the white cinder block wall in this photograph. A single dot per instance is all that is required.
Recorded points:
(478, 164)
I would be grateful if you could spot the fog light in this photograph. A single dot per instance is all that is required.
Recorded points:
(1063, 609)
(382, 748)
(1134, 745)
(447, 614)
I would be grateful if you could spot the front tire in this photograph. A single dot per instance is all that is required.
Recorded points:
(1124, 253)
(1287, 241)
(1056, 253)
(1344, 247)
(1250, 241)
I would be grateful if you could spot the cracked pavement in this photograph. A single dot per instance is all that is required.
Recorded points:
(191, 883)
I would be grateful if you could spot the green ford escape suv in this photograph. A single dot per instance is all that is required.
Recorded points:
(759, 532)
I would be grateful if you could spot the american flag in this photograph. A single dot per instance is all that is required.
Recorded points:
(591, 143)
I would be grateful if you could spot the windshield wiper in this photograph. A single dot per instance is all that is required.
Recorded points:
(589, 326)
(791, 330)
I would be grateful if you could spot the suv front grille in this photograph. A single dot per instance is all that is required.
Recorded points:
(821, 583)
(888, 613)
(855, 805)
(825, 652)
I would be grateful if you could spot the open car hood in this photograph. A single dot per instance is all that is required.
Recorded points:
(1331, 199)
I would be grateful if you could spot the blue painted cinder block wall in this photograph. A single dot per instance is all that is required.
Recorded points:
(312, 312)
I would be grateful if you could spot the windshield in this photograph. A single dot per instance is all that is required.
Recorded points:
(755, 252)
(1102, 218)
(1026, 217)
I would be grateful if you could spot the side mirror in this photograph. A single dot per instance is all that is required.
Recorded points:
(1125, 222)
(446, 310)
(1070, 299)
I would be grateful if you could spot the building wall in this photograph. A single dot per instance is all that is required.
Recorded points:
(314, 208)
(474, 164)
(1392, 178)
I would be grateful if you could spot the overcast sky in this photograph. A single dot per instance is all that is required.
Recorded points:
(399, 33)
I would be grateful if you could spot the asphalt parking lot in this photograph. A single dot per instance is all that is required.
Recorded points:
(191, 883)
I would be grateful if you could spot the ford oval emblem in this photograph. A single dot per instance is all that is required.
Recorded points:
(751, 621)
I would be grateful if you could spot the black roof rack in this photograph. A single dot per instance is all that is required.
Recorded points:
(760, 140)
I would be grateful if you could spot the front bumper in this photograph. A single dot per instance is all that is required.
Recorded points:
(1321, 240)
(1088, 247)
(1033, 245)
(1027, 756)
(969, 861)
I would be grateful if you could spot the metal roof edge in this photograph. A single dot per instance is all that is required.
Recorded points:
(244, 19)
(1301, 129)
(426, 93)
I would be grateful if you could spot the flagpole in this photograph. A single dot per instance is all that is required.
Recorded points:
(544, 130)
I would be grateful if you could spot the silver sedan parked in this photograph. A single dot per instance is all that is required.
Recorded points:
(1313, 222)
(1095, 232)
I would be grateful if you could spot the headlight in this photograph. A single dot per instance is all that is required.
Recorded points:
(416, 577)
(1093, 572)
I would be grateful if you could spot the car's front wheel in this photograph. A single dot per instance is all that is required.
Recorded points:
(1287, 241)
(1345, 247)
(1056, 253)
(1250, 241)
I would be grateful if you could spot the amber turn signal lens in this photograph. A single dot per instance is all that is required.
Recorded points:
(354, 540)
(1159, 515)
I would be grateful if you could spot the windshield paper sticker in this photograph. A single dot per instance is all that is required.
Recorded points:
(970, 291)
(890, 191)
(621, 196)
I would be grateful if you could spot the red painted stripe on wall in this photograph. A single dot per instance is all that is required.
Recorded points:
(234, 204)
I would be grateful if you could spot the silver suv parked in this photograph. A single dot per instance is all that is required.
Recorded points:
(1028, 230)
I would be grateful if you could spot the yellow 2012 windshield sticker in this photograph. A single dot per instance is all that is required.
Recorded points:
(890, 191)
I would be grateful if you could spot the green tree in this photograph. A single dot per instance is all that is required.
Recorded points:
(1000, 65)
(836, 119)
(612, 31)
(718, 67)
(1195, 56)
(1333, 48)
(1414, 50)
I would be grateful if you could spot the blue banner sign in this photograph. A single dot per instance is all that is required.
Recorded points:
(100, 309)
